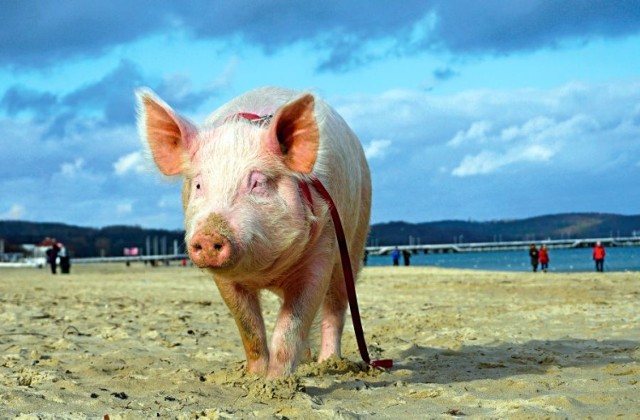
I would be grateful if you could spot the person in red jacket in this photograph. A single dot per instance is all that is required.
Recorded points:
(543, 255)
(598, 256)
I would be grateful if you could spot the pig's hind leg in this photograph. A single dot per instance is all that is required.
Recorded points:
(245, 308)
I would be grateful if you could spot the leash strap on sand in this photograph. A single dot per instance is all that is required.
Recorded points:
(348, 278)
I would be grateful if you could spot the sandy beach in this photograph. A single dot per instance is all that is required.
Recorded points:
(141, 342)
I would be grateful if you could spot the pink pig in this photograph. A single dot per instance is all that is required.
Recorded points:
(249, 220)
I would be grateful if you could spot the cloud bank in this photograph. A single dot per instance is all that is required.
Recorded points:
(71, 146)
(349, 33)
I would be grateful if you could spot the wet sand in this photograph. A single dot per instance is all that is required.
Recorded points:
(144, 342)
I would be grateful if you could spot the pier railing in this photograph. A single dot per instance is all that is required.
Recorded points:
(506, 246)
(138, 258)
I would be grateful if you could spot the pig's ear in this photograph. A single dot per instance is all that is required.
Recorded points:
(168, 135)
(294, 134)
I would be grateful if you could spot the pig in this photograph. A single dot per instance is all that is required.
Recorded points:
(252, 222)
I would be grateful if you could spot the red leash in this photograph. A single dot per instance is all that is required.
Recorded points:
(344, 252)
(348, 276)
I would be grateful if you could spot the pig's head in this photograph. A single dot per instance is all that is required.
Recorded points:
(243, 210)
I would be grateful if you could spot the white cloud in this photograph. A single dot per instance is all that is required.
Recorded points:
(228, 73)
(487, 161)
(534, 153)
(477, 132)
(482, 163)
(377, 149)
(124, 209)
(535, 140)
(531, 127)
(16, 212)
(541, 129)
(72, 169)
(133, 162)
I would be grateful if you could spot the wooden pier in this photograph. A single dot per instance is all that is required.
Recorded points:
(506, 246)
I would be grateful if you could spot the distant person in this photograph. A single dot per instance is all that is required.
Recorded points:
(365, 258)
(534, 255)
(65, 261)
(52, 257)
(598, 256)
(406, 255)
(543, 255)
(395, 256)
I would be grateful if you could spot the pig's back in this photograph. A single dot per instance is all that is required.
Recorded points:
(262, 101)
(342, 167)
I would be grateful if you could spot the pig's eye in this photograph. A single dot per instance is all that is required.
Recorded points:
(258, 183)
(197, 185)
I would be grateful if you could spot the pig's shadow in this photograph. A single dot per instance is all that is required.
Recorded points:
(442, 366)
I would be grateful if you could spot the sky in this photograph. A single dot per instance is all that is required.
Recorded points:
(467, 110)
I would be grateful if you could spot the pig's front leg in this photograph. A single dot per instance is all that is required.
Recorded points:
(245, 307)
(302, 299)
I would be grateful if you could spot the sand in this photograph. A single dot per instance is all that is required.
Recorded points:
(142, 342)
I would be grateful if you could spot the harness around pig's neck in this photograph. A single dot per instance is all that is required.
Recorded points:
(347, 270)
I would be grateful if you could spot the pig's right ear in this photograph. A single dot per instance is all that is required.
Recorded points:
(294, 134)
(168, 135)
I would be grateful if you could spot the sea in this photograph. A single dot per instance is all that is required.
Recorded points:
(561, 260)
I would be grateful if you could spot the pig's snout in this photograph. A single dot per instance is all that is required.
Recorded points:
(210, 246)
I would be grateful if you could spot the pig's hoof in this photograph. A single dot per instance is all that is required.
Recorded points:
(258, 368)
(277, 372)
(285, 388)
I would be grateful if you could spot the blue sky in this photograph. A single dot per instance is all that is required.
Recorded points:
(466, 110)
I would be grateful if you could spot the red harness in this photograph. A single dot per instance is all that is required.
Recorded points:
(342, 245)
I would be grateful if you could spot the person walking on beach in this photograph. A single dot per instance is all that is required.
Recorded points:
(534, 255)
(406, 255)
(52, 257)
(65, 261)
(598, 256)
(395, 256)
(544, 258)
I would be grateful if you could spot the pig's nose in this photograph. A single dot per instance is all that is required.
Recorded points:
(210, 250)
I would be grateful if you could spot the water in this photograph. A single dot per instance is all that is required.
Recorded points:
(562, 260)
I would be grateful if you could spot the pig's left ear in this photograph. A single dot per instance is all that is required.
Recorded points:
(294, 134)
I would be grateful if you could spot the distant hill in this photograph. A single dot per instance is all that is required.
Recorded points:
(558, 226)
(88, 242)
(111, 240)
